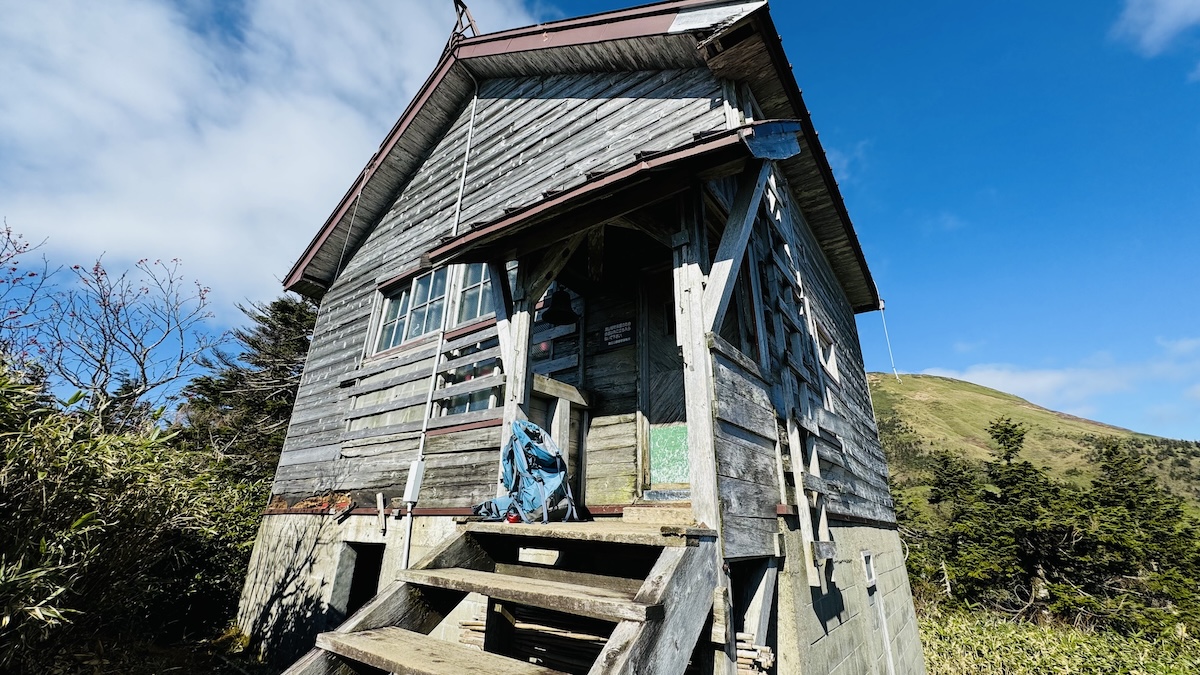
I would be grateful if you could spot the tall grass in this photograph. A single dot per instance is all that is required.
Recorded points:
(979, 643)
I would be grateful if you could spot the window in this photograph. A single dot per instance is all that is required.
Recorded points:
(413, 310)
(827, 352)
(475, 298)
(869, 567)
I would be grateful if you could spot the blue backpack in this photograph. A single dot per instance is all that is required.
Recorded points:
(533, 470)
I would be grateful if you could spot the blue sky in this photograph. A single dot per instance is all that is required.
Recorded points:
(1023, 175)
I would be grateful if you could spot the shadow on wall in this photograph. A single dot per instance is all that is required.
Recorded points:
(284, 602)
(828, 602)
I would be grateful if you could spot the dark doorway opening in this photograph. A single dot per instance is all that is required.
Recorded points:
(364, 580)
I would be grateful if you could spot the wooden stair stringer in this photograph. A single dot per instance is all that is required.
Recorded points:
(403, 605)
(682, 581)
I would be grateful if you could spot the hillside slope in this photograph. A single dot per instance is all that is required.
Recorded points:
(952, 415)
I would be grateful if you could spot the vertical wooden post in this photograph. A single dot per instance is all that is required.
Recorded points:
(697, 371)
(534, 276)
(692, 332)
(502, 305)
(518, 383)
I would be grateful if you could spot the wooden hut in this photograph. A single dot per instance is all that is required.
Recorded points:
(655, 173)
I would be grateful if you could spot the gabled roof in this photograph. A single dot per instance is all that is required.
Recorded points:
(736, 40)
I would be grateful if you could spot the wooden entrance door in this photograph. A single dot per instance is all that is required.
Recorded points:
(664, 437)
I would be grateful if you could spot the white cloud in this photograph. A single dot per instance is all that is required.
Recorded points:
(940, 223)
(1053, 388)
(1154, 24)
(847, 164)
(965, 347)
(146, 129)
(1159, 389)
(1180, 347)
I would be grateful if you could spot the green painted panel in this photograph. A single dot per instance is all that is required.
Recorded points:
(668, 454)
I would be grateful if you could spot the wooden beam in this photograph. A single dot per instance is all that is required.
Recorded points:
(571, 598)
(397, 650)
(757, 619)
(682, 581)
(760, 321)
(697, 372)
(699, 392)
(732, 248)
(557, 389)
(502, 305)
(533, 279)
(800, 454)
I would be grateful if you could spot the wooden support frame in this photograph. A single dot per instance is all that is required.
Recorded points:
(757, 618)
(533, 279)
(732, 249)
(692, 332)
(681, 581)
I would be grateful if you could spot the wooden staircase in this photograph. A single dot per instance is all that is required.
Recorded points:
(645, 588)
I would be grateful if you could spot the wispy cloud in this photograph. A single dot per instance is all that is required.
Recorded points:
(1054, 388)
(1180, 347)
(942, 222)
(847, 164)
(1154, 24)
(965, 347)
(164, 130)
(1162, 388)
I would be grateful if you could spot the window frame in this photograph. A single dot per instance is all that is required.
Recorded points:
(460, 289)
(405, 286)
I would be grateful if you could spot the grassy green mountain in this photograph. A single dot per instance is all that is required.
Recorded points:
(923, 414)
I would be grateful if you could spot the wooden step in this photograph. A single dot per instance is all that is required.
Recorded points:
(614, 531)
(599, 603)
(667, 513)
(404, 652)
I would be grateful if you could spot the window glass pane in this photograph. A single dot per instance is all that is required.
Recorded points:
(468, 307)
(393, 307)
(480, 400)
(385, 337)
(485, 297)
(439, 284)
(474, 274)
(475, 297)
(433, 316)
(421, 290)
(416, 323)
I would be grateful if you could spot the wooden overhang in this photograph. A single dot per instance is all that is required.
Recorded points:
(735, 40)
(650, 179)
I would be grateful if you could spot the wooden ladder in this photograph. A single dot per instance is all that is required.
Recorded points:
(643, 589)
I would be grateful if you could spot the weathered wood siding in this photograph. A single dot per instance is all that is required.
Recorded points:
(531, 136)
(838, 409)
(801, 300)
(745, 433)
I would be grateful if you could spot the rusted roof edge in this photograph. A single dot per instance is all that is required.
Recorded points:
(710, 144)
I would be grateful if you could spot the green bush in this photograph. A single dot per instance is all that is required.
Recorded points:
(110, 535)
